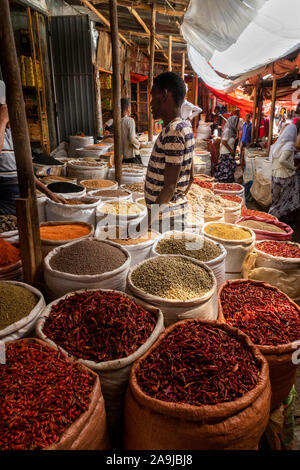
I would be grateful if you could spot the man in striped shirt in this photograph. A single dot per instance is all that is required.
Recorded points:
(170, 168)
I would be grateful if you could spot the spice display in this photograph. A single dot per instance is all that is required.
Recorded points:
(134, 187)
(79, 202)
(262, 215)
(228, 186)
(84, 163)
(196, 189)
(44, 159)
(195, 247)
(63, 188)
(262, 312)
(203, 184)
(212, 206)
(88, 257)
(99, 326)
(198, 364)
(283, 249)
(228, 203)
(9, 254)
(97, 184)
(260, 225)
(141, 201)
(113, 193)
(227, 232)
(134, 241)
(64, 232)
(16, 302)
(42, 394)
(8, 223)
(121, 208)
(172, 278)
(230, 197)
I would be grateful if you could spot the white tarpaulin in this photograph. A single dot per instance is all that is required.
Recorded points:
(237, 36)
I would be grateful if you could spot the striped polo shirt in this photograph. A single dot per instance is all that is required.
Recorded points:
(174, 145)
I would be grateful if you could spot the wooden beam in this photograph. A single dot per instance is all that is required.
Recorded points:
(170, 53)
(103, 19)
(254, 112)
(183, 65)
(143, 25)
(160, 10)
(30, 243)
(113, 13)
(272, 113)
(151, 69)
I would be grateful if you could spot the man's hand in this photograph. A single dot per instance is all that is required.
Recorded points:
(4, 117)
(55, 197)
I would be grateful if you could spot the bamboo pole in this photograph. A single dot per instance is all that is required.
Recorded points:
(170, 54)
(183, 65)
(254, 113)
(151, 67)
(272, 113)
(29, 235)
(113, 13)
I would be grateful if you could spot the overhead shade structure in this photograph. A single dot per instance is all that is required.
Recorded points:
(237, 98)
(229, 40)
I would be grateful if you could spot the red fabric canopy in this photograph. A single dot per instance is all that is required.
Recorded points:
(237, 98)
(136, 77)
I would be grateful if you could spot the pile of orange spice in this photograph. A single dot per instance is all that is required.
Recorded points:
(9, 254)
(64, 232)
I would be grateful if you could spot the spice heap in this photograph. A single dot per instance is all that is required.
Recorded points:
(212, 206)
(113, 193)
(262, 312)
(97, 184)
(282, 249)
(263, 215)
(121, 208)
(203, 184)
(8, 223)
(63, 188)
(227, 232)
(196, 189)
(135, 187)
(99, 326)
(88, 257)
(64, 232)
(230, 197)
(228, 186)
(260, 225)
(42, 395)
(195, 247)
(141, 201)
(16, 302)
(194, 203)
(9, 254)
(172, 278)
(198, 365)
(228, 204)
(44, 159)
(79, 202)
(134, 241)
(88, 163)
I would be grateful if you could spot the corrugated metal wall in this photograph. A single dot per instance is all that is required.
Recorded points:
(73, 72)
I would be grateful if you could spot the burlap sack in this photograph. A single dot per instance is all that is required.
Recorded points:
(89, 431)
(282, 370)
(155, 424)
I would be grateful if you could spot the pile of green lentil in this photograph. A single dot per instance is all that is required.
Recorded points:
(172, 277)
(16, 302)
(206, 250)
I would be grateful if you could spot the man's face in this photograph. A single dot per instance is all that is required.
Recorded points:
(157, 102)
(247, 118)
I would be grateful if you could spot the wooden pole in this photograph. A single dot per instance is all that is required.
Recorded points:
(170, 54)
(182, 65)
(272, 113)
(29, 234)
(254, 112)
(151, 67)
(259, 112)
(113, 13)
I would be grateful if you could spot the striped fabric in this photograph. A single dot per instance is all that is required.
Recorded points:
(8, 167)
(174, 145)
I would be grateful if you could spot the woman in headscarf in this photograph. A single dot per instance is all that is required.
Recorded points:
(227, 164)
(285, 188)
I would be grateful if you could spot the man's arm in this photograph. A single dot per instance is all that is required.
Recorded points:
(224, 142)
(4, 119)
(41, 187)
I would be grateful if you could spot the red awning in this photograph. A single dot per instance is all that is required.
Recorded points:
(136, 77)
(237, 98)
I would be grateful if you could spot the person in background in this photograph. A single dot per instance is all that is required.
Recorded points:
(264, 126)
(189, 110)
(239, 129)
(9, 187)
(109, 125)
(285, 188)
(218, 119)
(282, 121)
(245, 139)
(130, 143)
(170, 168)
(227, 165)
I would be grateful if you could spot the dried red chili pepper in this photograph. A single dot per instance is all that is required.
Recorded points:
(228, 186)
(261, 312)
(203, 184)
(99, 326)
(230, 197)
(284, 249)
(262, 215)
(198, 365)
(42, 394)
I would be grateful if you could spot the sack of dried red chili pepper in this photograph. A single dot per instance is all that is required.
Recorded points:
(48, 401)
(272, 321)
(283, 255)
(201, 386)
(232, 189)
(107, 330)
